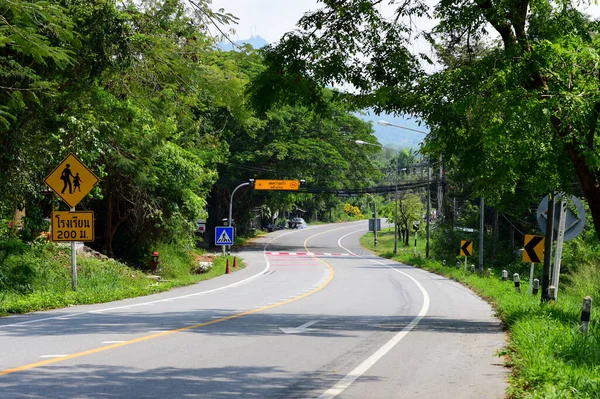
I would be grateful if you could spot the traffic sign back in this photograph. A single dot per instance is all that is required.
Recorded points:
(71, 180)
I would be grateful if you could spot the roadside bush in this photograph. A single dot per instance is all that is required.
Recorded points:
(175, 261)
(17, 271)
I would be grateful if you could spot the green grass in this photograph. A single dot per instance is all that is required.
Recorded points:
(548, 355)
(98, 281)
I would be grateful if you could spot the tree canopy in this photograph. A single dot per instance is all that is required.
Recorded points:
(512, 102)
(141, 93)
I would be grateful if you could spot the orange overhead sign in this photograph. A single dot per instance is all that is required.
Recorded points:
(276, 184)
(71, 180)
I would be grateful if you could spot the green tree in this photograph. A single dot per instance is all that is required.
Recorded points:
(518, 113)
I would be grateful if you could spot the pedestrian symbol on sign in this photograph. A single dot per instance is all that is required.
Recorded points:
(224, 235)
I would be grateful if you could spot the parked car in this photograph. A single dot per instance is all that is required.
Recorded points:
(297, 223)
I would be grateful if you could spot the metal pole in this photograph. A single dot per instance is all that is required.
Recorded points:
(73, 262)
(396, 213)
(548, 249)
(559, 245)
(481, 205)
(440, 201)
(428, 205)
(231, 207)
(374, 220)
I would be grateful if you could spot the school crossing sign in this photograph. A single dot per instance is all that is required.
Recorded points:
(71, 180)
(223, 235)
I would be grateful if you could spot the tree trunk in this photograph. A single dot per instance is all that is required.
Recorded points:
(108, 226)
(589, 184)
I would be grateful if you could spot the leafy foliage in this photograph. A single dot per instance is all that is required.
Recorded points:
(518, 115)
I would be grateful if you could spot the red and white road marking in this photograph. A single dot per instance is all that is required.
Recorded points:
(308, 254)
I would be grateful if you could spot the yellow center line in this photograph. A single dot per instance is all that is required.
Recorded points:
(187, 328)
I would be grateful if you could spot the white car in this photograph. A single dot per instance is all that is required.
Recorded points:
(297, 223)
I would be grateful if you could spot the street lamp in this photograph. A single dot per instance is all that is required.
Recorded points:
(360, 142)
(250, 182)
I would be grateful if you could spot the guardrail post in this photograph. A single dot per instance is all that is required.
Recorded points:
(504, 275)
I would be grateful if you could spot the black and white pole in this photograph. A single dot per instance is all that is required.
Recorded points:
(585, 314)
(472, 268)
(458, 265)
(536, 286)
(517, 282)
(504, 275)
(444, 262)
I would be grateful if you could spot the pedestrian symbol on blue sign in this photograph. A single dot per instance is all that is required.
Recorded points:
(223, 235)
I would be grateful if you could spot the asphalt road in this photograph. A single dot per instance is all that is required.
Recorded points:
(313, 315)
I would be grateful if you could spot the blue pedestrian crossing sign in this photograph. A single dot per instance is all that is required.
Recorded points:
(223, 235)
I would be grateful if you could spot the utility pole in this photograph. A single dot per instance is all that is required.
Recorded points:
(428, 205)
(548, 248)
(481, 206)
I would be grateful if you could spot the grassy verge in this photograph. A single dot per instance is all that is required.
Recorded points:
(48, 284)
(549, 356)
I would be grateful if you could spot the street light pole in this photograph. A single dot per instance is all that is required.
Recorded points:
(374, 220)
(361, 142)
(249, 182)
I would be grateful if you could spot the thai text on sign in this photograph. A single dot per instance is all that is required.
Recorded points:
(73, 226)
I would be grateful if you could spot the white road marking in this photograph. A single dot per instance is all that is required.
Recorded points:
(362, 368)
(298, 330)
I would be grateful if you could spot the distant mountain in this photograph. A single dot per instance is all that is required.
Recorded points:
(393, 136)
(386, 135)
(255, 41)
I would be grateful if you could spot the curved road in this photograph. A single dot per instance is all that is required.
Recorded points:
(313, 315)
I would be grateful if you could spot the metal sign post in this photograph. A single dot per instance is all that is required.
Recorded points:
(73, 262)
(559, 245)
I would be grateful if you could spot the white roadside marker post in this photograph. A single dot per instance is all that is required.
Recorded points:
(517, 282)
(585, 314)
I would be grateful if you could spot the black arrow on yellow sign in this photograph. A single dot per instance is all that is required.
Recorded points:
(533, 249)
(466, 248)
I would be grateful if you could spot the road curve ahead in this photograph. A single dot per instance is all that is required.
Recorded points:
(312, 316)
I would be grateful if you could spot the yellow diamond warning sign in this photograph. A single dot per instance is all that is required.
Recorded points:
(73, 226)
(71, 180)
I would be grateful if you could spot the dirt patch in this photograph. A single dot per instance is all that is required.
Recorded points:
(205, 258)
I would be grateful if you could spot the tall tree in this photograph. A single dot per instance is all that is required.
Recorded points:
(520, 112)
